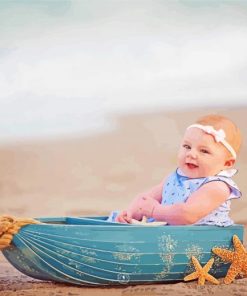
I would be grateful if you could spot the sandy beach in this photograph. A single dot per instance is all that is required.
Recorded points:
(96, 174)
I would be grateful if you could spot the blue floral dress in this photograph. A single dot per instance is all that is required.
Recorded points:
(177, 188)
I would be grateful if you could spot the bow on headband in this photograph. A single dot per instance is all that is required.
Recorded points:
(219, 136)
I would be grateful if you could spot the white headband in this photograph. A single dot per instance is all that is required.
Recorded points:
(219, 136)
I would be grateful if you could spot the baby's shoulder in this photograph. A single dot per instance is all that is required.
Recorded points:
(223, 177)
(223, 181)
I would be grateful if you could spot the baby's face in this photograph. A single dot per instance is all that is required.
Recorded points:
(200, 156)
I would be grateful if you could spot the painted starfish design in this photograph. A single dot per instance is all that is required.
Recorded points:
(201, 273)
(238, 258)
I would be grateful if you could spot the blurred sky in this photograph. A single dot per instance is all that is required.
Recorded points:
(65, 65)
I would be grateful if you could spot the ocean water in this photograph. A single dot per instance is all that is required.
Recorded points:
(67, 66)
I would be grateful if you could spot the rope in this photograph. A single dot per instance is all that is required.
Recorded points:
(9, 226)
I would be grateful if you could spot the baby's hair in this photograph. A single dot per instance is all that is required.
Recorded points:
(233, 134)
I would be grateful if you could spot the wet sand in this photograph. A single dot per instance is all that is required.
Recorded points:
(94, 175)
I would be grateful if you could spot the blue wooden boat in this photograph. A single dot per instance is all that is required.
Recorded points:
(92, 251)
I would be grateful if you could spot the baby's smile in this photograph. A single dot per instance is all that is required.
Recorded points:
(191, 165)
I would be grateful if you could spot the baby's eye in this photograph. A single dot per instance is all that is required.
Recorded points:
(205, 151)
(186, 146)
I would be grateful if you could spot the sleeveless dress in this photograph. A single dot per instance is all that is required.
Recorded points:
(177, 188)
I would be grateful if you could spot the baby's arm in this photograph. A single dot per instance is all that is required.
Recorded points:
(206, 199)
(202, 202)
(155, 193)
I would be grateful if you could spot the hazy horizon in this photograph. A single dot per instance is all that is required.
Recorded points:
(66, 65)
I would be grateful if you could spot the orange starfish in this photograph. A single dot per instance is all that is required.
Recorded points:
(238, 258)
(201, 272)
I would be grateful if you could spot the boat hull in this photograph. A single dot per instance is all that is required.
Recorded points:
(92, 251)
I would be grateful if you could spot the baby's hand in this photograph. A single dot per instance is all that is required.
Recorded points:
(134, 209)
(147, 205)
(142, 206)
(124, 217)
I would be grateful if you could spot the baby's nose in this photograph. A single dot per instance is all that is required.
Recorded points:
(192, 153)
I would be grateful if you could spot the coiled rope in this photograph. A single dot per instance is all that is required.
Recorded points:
(9, 226)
